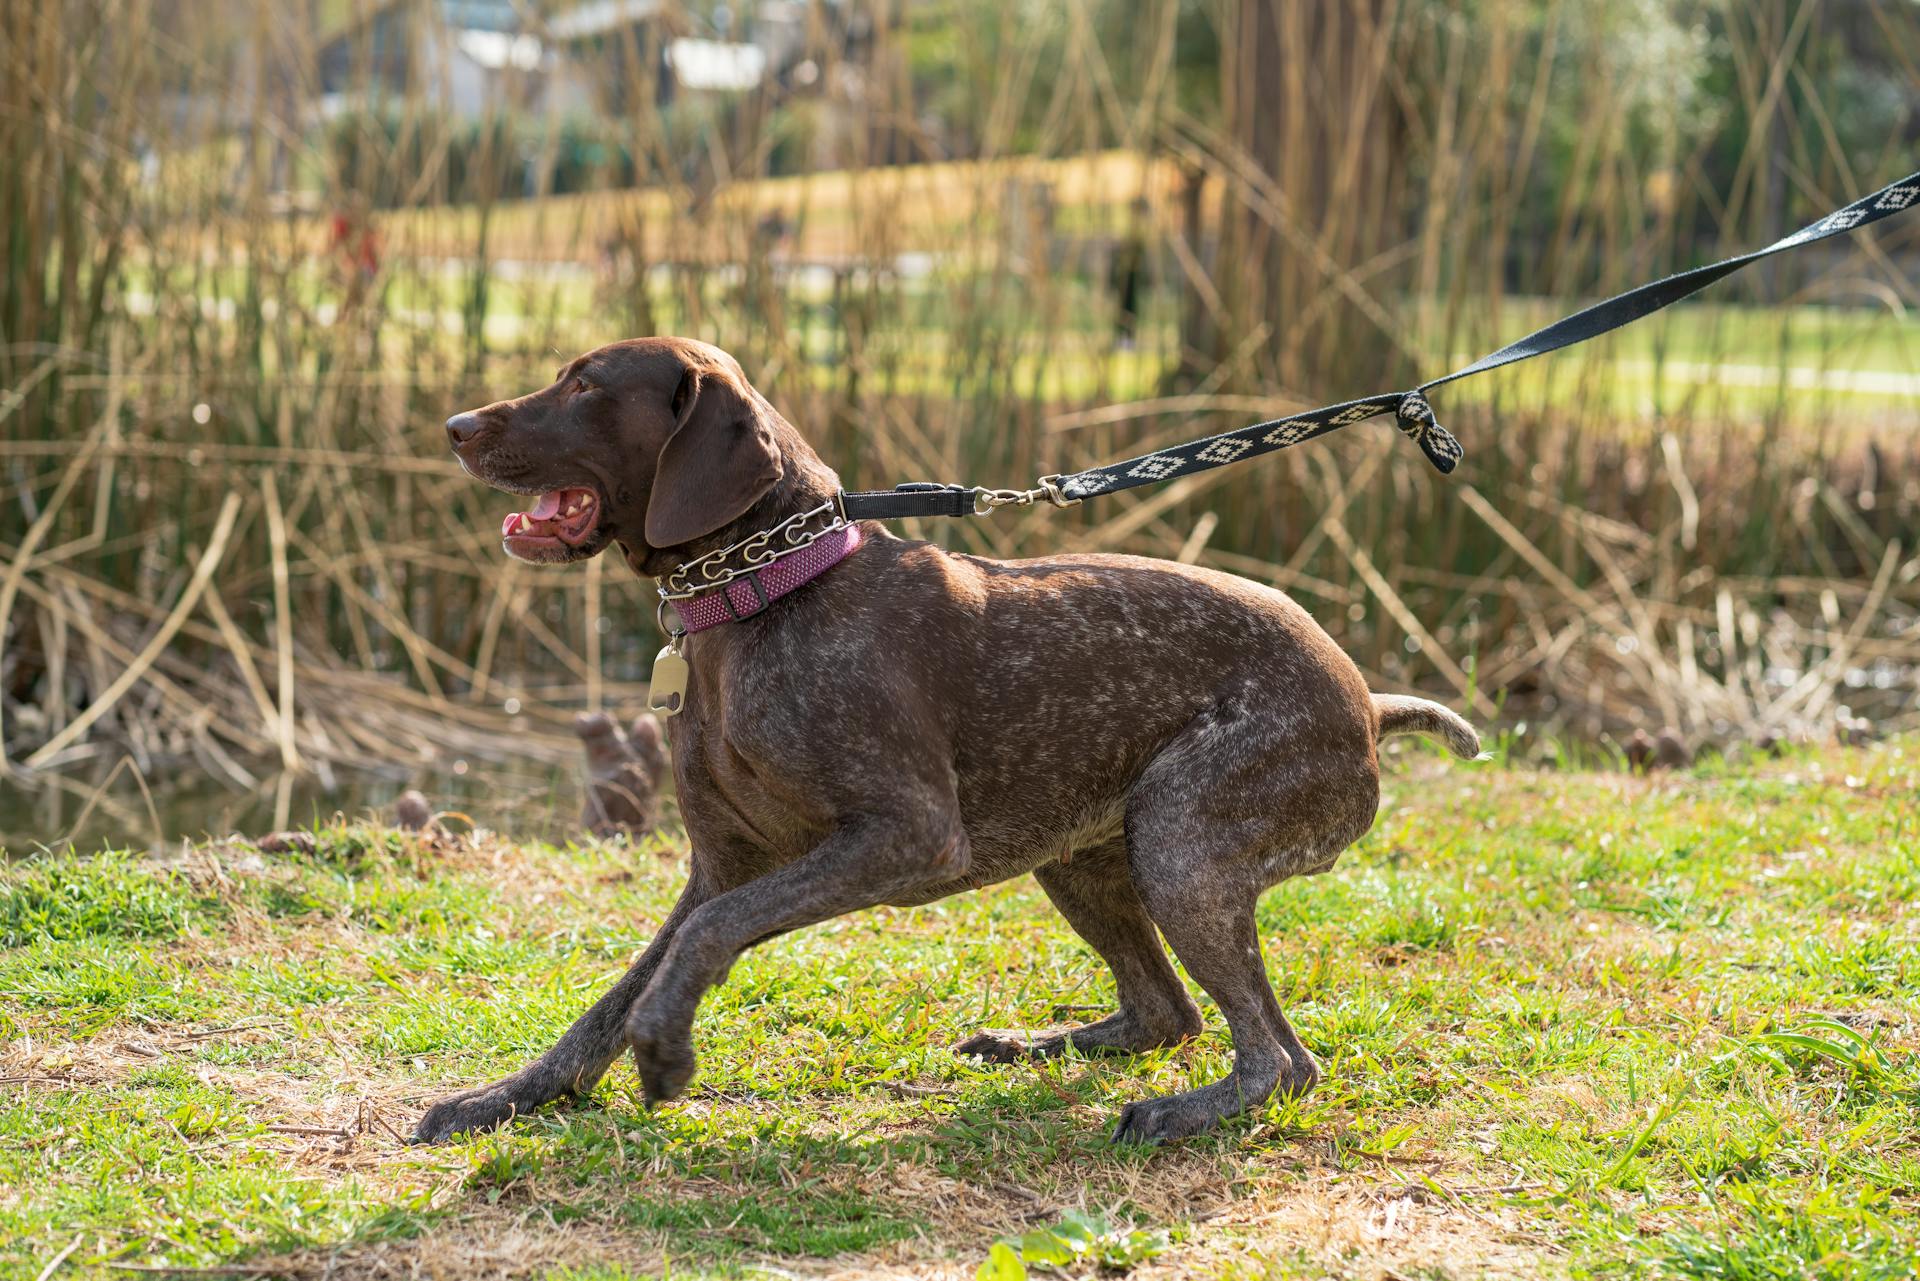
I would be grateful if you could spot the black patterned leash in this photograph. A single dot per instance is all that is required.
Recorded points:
(1413, 415)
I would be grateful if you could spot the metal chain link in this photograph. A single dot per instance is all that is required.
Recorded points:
(755, 552)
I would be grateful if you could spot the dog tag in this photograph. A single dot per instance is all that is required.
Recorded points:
(667, 690)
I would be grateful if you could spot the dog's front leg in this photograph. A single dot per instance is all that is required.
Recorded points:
(581, 1056)
(865, 862)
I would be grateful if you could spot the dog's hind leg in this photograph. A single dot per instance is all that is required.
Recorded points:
(1220, 947)
(1094, 892)
(1236, 802)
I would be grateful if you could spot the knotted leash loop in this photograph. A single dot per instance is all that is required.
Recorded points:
(1414, 417)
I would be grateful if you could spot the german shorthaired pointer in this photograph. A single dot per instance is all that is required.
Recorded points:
(894, 723)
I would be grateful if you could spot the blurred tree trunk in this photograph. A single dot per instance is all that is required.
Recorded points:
(1310, 143)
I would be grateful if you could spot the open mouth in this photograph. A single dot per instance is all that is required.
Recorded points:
(562, 521)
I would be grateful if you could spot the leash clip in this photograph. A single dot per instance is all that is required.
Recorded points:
(1046, 490)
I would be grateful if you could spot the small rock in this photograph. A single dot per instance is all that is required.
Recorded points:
(411, 811)
(1667, 750)
(1670, 751)
(1853, 731)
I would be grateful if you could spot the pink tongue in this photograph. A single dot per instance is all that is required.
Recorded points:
(549, 506)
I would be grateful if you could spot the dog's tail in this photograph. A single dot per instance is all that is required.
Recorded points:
(1400, 714)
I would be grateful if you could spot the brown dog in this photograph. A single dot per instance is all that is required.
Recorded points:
(1156, 743)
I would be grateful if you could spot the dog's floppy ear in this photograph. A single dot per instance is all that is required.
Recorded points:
(720, 460)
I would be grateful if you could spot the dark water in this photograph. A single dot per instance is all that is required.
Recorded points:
(518, 801)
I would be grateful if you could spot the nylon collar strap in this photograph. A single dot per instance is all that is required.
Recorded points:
(749, 593)
(1413, 415)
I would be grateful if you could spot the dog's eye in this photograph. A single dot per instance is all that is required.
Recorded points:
(581, 386)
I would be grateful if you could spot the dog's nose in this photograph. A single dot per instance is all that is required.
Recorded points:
(462, 428)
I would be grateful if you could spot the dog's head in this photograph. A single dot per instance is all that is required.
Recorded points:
(654, 443)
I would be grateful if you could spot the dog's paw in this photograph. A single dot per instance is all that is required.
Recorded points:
(1001, 1045)
(1151, 1121)
(1301, 1077)
(470, 1112)
(664, 1060)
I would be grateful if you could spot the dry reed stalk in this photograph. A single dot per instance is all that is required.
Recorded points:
(591, 618)
(360, 462)
(1817, 683)
(1383, 591)
(1116, 529)
(1196, 541)
(118, 657)
(364, 686)
(189, 598)
(1257, 407)
(505, 587)
(282, 621)
(1335, 507)
(1278, 576)
(29, 542)
(243, 661)
(424, 654)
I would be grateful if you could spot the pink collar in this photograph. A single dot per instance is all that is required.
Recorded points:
(748, 595)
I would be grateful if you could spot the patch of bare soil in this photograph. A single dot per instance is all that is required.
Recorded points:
(1361, 1229)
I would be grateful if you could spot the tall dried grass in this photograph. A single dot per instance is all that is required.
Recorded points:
(232, 535)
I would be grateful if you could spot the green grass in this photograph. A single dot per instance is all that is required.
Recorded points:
(1572, 1024)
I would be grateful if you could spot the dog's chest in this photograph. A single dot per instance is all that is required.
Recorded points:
(729, 802)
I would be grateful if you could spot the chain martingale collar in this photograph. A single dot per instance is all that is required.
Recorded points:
(773, 562)
(752, 554)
